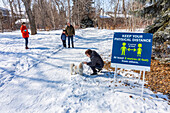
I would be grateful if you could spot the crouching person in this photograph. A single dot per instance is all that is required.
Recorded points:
(96, 63)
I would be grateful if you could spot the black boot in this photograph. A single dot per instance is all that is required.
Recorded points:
(72, 45)
(94, 71)
(26, 48)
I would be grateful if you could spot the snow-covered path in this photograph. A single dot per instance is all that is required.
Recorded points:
(38, 80)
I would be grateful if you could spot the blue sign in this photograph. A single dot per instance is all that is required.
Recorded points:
(131, 49)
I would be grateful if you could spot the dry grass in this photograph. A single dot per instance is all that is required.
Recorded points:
(158, 78)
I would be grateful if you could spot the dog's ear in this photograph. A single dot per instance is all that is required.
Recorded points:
(75, 69)
(72, 68)
(81, 65)
(73, 64)
(81, 69)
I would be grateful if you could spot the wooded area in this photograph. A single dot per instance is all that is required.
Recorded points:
(53, 14)
(104, 14)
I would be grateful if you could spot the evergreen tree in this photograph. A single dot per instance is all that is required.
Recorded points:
(160, 11)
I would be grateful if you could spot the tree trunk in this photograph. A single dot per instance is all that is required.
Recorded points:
(12, 13)
(124, 12)
(52, 16)
(19, 7)
(58, 5)
(116, 7)
(69, 12)
(78, 15)
(27, 4)
(1, 25)
(42, 13)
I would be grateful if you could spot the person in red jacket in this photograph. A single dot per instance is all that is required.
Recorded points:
(25, 34)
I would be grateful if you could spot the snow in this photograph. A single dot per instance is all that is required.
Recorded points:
(22, 20)
(38, 80)
(104, 15)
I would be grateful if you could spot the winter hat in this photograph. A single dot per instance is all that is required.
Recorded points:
(23, 23)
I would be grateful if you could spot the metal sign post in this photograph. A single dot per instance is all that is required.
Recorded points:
(139, 76)
(115, 74)
(143, 83)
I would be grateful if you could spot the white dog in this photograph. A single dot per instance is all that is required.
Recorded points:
(75, 70)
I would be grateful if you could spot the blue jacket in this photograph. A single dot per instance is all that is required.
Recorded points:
(63, 36)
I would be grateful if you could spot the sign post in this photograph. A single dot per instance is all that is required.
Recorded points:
(132, 51)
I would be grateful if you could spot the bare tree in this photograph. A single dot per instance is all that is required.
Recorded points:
(115, 11)
(69, 11)
(51, 13)
(19, 7)
(27, 4)
(61, 18)
(12, 13)
(42, 6)
(124, 12)
(1, 19)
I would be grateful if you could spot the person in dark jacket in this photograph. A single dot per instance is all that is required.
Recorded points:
(96, 61)
(25, 34)
(63, 38)
(70, 32)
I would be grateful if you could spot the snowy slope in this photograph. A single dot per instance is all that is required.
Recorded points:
(38, 80)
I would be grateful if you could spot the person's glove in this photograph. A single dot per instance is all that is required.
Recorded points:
(29, 33)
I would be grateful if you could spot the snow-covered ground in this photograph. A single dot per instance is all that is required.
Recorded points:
(38, 80)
